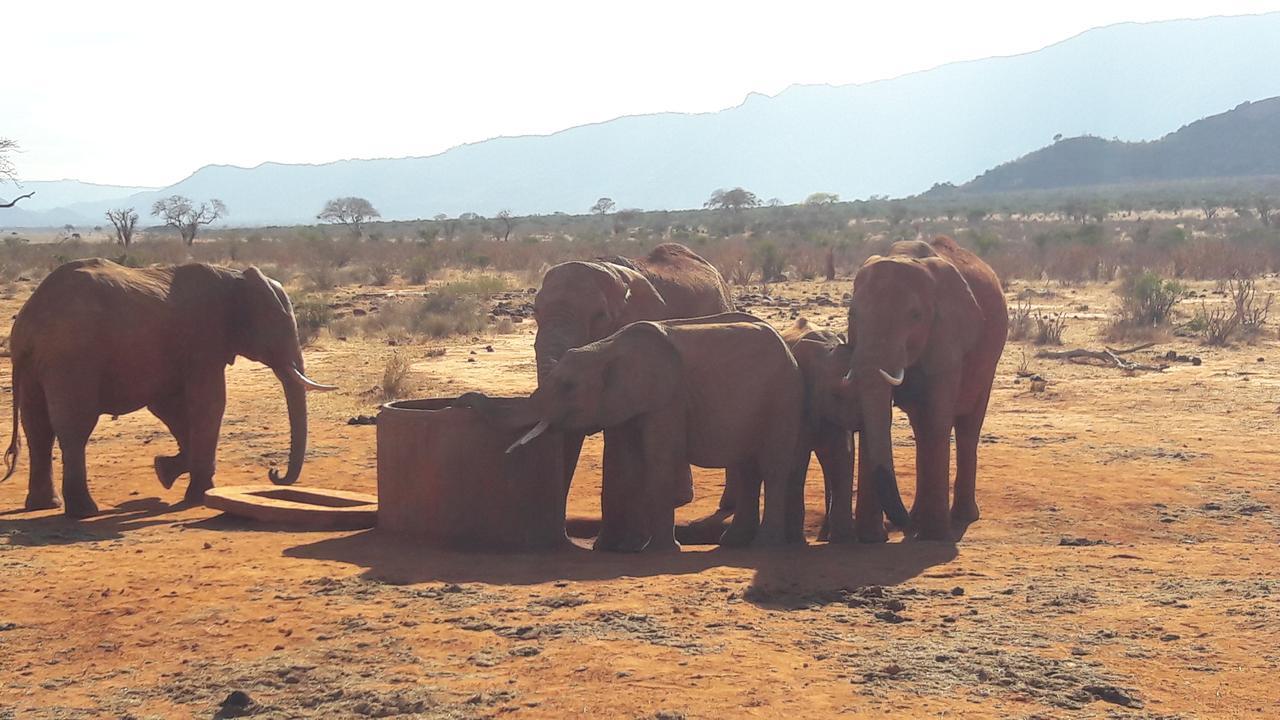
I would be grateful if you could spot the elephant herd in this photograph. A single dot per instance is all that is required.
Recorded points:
(650, 351)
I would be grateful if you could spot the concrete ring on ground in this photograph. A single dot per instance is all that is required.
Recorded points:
(309, 508)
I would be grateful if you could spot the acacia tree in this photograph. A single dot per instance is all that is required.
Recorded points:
(124, 220)
(181, 213)
(735, 199)
(7, 171)
(603, 206)
(353, 212)
(822, 199)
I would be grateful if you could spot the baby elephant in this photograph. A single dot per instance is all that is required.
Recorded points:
(717, 395)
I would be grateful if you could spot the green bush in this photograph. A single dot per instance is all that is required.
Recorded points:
(1147, 300)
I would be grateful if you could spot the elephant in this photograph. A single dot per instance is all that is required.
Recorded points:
(927, 323)
(720, 395)
(98, 338)
(832, 419)
(584, 301)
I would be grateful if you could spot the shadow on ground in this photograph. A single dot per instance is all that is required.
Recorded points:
(794, 569)
(110, 524)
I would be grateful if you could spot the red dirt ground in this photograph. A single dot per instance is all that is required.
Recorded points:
(1164, 601)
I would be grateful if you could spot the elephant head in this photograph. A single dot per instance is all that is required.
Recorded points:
(604, 384)
(911, 319)
(825, 363)
(581, 302)
(266, 332)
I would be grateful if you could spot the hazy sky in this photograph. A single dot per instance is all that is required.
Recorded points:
(147, 92)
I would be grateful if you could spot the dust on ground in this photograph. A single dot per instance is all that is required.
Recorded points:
(1126, 566)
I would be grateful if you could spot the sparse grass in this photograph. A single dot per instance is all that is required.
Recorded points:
(1020, 320)
(504, 326)
(456, 308)
(1049, 327)
(395, 378)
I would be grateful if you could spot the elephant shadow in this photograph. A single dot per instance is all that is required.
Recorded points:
(110, 524)
(779, 572)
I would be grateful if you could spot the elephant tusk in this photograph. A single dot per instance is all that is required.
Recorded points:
(311, 385)
(529, 437)
(894, 380)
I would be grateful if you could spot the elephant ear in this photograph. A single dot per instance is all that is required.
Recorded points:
(261, 290)
(629, 296)
(959, 318)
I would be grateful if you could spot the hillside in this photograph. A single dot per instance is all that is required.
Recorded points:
(894, 137)
(1242, 142)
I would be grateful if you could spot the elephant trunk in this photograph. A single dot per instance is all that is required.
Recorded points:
(875, 399)
(295, 394)
(556, 337)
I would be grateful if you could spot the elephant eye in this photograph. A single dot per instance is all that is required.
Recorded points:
(916, 315)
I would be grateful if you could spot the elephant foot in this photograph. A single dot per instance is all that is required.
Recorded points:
(669, 545)
(871, 532)
(41, 502)
(80, 507)
(195, 492)
(964, 514)
(168, 469)
(844, 535)
(770, 537)
(738, 535)
(931, 531)
(622, 543)
(824, 532)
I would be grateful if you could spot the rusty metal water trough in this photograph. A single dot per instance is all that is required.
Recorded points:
(445, 479)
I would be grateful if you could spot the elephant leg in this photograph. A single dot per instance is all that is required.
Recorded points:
(868, 514)
(794, 532)
(930, 516)
(835, 454)
(665, 469)
(964, 508)
(746, 515)
(172, 411)
(621, 528)
(572, 451)
(205, 402)
(727, 496)
(776, 472)
(73, 426)
(39, 432)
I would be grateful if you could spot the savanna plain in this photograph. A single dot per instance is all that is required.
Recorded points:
(1126, 564)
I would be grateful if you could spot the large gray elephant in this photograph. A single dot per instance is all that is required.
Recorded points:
(96, 338)
(584, 301)
(721, 395)
(928, 324)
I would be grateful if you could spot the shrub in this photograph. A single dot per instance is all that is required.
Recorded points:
(1251, 314)
(1215, 326)
(322, 277)
(1146, 299)
(1049, 327)
(395, 378)
(1020, 320)
(313, 314)
(418, 270)
(382, 274)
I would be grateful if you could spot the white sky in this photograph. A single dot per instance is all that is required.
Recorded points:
(131, 92)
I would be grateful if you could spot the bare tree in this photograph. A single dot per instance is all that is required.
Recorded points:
(8, 172)
(353, 212)
(125, 221)
(603, 206)
(508, 223)
(182, 214)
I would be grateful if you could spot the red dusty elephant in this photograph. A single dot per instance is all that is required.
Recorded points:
(927, 323)
(714, 394)
(584, 301)
(97, 338)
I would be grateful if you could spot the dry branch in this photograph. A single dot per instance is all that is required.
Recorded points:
(14, 201)
(1109, 357)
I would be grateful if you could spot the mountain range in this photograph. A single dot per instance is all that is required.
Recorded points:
(1242, 142)
(1131, 82)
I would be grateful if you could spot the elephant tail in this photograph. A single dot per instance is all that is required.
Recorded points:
(15, 442)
